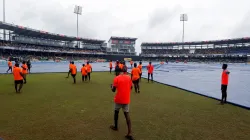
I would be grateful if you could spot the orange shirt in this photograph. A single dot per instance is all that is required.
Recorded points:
(135, 73)
(70, 65)
(10, 64)
(123, 86)
(110, 64)
(89, 67)
(84, 70)
(16, 73)
(121, 66)
(25, 69)
(224, 77)
(140, 67)
(73, 69)
(150, 69)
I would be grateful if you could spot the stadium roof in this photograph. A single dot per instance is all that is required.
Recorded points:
(216, 42)
(123, 38)
(25, 31)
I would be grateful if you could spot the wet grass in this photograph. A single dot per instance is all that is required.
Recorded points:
(50, 107)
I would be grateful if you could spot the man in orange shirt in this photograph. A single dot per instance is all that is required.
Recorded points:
(135, 76)
(84, 72)
(73, 71)
(25, 71)
(140, 67)
(69, 69)
(121, 65)
(89, 69)
(224, 83)
(10, 66)
(150, 69)
(18, 77)
(110, 66)
(123, 84)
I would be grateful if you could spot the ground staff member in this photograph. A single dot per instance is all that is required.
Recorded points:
(123, 84)
(150, 69)
(73, 71)
(18, 78)
(135, 76)
(84, 72)
(110, 66)
(140, 67)
(224, 83)
(89, 69)
(10, 66)
(24, 71)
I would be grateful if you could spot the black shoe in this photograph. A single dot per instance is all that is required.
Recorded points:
(113, 128)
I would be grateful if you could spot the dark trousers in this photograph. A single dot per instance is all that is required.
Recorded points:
(117, 73)
(150, 74)
(10, 68)
(110, 70)
(84, 77)
(89, 75)
(224, 93)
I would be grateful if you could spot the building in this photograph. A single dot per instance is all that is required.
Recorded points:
(121, 46)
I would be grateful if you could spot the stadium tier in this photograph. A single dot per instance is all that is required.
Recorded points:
(218, 50)
(121, 45)
(25, 43)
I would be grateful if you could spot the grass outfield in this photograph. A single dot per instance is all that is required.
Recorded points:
(50, 107)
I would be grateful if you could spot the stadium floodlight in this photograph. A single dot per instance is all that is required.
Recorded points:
(4, 19)
(77, 11)
(183, 18)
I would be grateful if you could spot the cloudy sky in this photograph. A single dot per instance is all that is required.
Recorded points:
(149, 21)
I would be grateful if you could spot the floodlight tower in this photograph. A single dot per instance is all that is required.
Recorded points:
(77, 11)
(183, 18)
(4, 19)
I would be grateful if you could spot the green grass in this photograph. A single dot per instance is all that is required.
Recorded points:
(50, 107)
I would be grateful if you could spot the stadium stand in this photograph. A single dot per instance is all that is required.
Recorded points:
(27, 43)
(231, 50)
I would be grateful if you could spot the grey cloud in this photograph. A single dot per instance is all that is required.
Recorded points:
(242, 29)
(162, 16)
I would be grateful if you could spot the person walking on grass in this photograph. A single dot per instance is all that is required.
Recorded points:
(110, 66)
(89, 69)
(84, 72)
(150, 69)
(10, 66)
(135, 77)
(24, 71)
(123, 84)
(140, 67)
(18, 78)
(73, 71)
